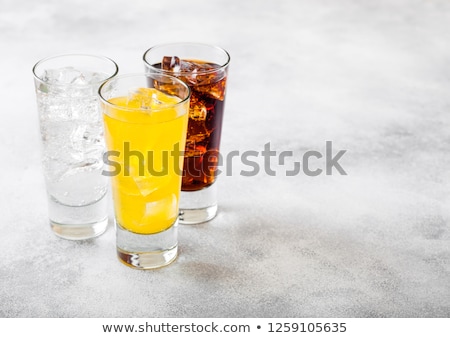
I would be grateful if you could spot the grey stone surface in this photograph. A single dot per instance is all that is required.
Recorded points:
(372, 77)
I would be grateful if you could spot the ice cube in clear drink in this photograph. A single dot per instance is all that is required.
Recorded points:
(65, 75)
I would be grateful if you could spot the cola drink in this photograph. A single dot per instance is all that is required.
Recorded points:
(207, 82)
(204, 68)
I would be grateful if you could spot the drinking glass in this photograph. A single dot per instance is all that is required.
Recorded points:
(72, 142)
(145, 119)
(204, 68)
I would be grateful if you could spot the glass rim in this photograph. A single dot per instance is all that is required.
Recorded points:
(57, 56)
(159, 70)
(116, 78)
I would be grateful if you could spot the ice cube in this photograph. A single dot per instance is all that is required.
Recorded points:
(79, 80)
(193, 149)
(140, 98)
(197, 110)
(69, 190)
(189, 68)
(72, 76)
(197, 73)
(207, 77)
(197, 131)
(150, 98)
(93, 135)
(175, 64)
(215, 90)
(144, 185)
(65, 75)
(94, 77)
(164, 208)
(171, 63)
(147, 185)
(76, 142)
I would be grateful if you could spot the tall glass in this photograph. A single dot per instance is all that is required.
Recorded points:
(72, 142)
(204, 68)
(145, 118)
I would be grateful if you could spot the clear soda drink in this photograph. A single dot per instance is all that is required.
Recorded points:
(72, 142)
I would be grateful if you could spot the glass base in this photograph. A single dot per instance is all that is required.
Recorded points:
(81, 231)
(147, 251)
(195, 216)
(78, 222)
(198, 206)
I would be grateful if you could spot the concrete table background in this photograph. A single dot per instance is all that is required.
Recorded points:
(372, 77)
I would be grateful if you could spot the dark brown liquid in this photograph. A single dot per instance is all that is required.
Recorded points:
(201, 155)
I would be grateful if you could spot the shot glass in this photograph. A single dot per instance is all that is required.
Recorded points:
(72, 142)
(204, 68)
(145, 119)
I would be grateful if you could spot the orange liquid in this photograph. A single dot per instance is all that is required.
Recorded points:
(146, 191)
